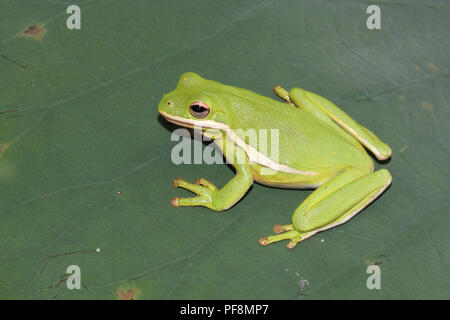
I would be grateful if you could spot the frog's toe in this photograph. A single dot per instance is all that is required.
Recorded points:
(278, 228)
(198, 189)
(286, 233)
(293, 242)
(291, 245)
(176, 182)
(206, 183)
(282, 93)
(174, 202)
(263, 241)
(203, 194)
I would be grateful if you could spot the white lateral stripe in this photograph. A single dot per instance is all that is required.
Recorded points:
(254, 155)
(369, 146)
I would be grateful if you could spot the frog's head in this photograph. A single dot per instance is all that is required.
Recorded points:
(196, 102)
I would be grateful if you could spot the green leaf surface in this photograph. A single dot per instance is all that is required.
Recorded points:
(86, 164)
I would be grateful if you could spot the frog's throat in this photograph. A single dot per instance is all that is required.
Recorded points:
(254, 155)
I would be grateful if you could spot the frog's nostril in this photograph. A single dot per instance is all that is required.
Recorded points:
(170, 103)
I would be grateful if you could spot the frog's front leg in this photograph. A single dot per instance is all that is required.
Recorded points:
(208, 195)
(333, 203)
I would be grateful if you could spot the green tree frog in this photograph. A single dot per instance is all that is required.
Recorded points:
(319, 147)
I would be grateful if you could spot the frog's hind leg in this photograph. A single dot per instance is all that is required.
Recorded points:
(332, 204)
(328, 112)
(323, 108)
(283, 94)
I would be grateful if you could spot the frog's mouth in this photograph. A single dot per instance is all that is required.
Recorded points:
(190, 123)
(254, 155)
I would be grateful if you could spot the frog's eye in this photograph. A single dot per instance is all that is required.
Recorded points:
(198, 110)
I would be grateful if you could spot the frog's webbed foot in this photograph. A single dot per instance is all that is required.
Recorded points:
(284, 232)
(201, 187)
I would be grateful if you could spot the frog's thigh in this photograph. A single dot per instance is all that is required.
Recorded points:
(339, 199)
(323, 108)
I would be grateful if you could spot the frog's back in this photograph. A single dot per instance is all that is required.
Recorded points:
(306, 143)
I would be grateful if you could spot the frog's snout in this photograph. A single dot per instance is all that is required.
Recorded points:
(166, 104)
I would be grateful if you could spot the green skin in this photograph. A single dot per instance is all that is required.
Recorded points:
(320, 145)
